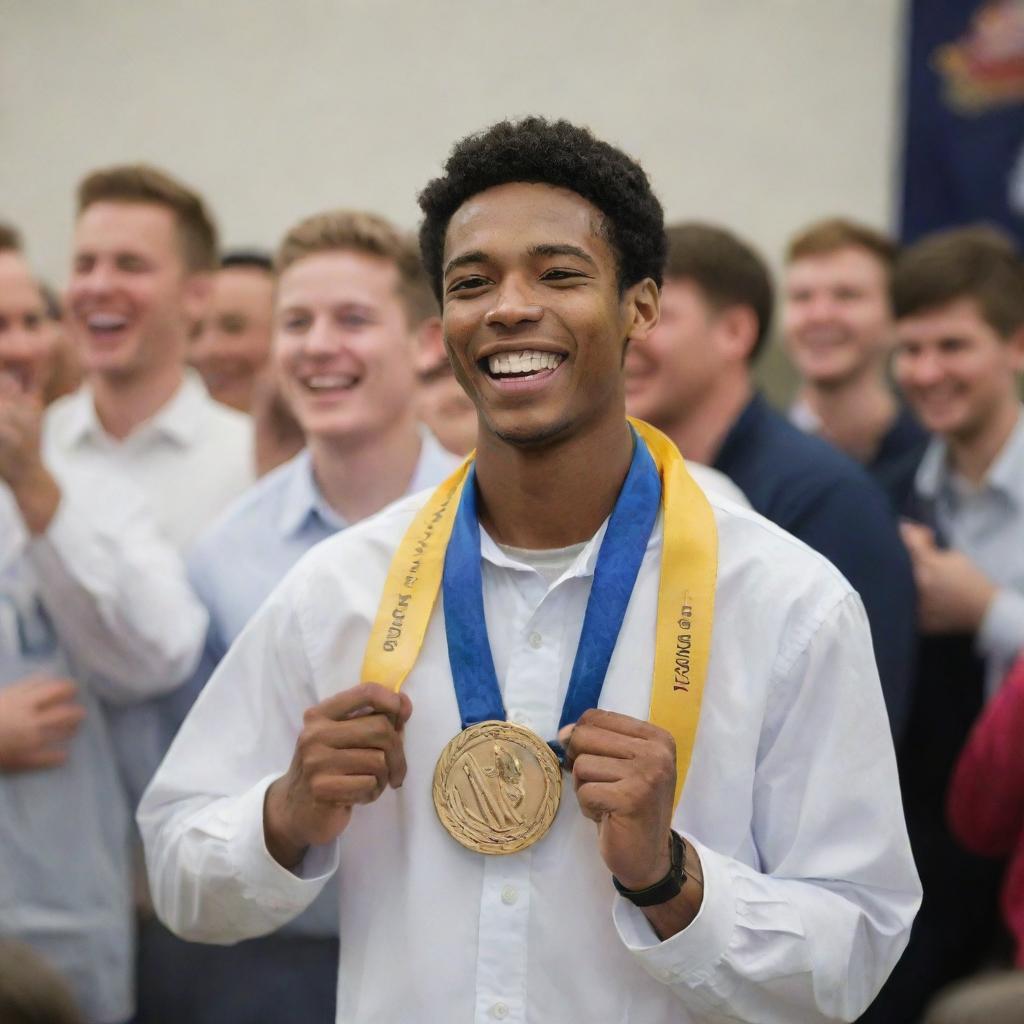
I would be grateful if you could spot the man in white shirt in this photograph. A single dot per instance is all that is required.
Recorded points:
(144, 250)
(789, 894)
(350, 297)
(95, 611)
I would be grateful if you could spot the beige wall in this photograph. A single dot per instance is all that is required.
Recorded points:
(757, 113)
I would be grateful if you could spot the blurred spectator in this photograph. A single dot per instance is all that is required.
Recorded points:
(144, 252)
(232, 343)
(277, 436)
(692, 378)
(95, 611)
(31, 992)
(838, 332)
(443, 406)
(350, 297)
(986, 811)
(958, 299)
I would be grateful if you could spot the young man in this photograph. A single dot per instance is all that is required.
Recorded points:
(232, 343)
(790, 895)
(351, 294)
(95, 610)
(692, 378)
(958, 298)
(144, 252)
(837, 327)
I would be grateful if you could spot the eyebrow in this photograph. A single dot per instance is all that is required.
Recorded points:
(547, 249)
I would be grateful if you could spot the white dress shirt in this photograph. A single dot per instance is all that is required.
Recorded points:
(99, 597)
(792, 802)
(190, 460)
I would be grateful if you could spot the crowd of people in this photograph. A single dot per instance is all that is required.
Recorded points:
(182, 426)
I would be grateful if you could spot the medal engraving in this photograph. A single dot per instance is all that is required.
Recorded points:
(496, 787)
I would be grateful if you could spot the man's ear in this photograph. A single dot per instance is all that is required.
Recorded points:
(737, 328)
(429, 344)
(196, 295)
(643, 305)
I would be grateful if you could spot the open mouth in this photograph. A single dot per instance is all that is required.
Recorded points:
(525, 365)
(324, 384)
(106, 326)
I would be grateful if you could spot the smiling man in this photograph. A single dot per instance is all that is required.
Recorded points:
(94, 611)
(478, 880)
(350, 296)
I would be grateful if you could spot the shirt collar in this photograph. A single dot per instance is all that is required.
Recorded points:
(180, 418)
(1006, 473)
(303, 500)
(583, 566)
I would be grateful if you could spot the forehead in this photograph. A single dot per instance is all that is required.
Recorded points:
(126, 226)
(338, 277)
(960, 318)
(510, 219)
(243, 284)
(18, 289)
(852, 264)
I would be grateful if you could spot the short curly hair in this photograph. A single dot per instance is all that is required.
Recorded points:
(554, 153)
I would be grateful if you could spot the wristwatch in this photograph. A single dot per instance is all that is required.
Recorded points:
(669, 887)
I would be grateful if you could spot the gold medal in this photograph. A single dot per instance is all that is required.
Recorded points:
(496, 787)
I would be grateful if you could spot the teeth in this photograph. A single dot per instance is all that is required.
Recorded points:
(327, 383)
(106, 321)
(527, 361)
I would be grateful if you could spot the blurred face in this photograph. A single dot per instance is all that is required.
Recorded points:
(443, 406)
(25, 334)
(836, 315)
(533, 319)
(955, 370)
(233, 342)
(342, 345)
(677, 365)
(130, 299)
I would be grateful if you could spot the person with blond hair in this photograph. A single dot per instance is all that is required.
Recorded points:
(350, 298)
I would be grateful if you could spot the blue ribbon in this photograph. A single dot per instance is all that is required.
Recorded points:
(618, 562)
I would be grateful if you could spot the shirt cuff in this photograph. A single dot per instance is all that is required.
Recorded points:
(688, 956)
(264, 880)
(1002, 629)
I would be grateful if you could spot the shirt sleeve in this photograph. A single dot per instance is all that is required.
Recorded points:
(986, 795)
(211, 875)
(813, 933)
(1002, 630)
(117, 594)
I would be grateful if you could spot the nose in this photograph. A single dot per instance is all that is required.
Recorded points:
(512, 306)
(97, 280)
(919, 369)
(320, 339)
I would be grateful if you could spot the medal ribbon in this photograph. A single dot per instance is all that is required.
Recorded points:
(686, 594)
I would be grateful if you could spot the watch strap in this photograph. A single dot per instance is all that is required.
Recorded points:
(668, 887)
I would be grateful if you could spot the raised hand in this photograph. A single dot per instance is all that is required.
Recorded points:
(350, 749)
(21, 464)
(39, 716)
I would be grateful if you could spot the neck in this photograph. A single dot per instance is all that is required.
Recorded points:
(855, 414)
(358, 477)
(972, 457)
(123, 404)
(700, 430)
(555, 495)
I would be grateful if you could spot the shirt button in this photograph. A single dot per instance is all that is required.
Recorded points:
(509, 896)
(499, 1011)
(536, 641)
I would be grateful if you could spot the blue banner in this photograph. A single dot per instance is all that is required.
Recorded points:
(963, 158)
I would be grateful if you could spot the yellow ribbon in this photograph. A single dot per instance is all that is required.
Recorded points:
(686, 594)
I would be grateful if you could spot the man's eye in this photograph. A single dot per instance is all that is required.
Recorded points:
(467, 284)
(560, 274)
(295, 323)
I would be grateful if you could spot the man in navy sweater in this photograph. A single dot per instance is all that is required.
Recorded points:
(692, 378)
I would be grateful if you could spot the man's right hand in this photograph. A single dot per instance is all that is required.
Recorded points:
(350, 749)
(38, 718)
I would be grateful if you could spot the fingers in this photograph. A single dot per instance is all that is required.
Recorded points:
(45, 757)
(60, 722)
(608, 734)
(917, 537)
(363, 699)
(49, 692)
(348, 776)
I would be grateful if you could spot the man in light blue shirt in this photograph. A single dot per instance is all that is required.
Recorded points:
(958, 298)
(350, 298)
